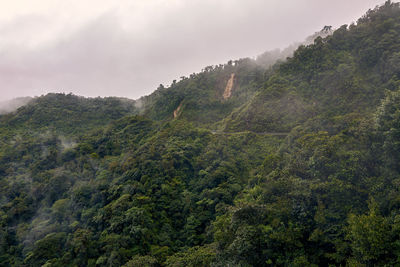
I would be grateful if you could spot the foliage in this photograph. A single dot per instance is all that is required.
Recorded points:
(300, 167)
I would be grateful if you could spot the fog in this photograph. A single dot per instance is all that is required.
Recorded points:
(128, 48)
(13, 104)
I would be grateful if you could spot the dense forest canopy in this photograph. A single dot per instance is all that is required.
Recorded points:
(243, 164)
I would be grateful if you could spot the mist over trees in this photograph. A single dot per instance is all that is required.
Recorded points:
(13, 105)
(269, 58)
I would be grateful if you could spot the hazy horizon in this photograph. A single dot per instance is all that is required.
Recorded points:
(126, 49)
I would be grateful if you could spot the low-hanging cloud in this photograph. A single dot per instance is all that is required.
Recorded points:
(128, 53)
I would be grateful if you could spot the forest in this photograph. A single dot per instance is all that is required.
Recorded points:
(299, 165)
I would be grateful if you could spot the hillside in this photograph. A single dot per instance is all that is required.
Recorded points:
(201, 96)
(242, 164)
(67, 114)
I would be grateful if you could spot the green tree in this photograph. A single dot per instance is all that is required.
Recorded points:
(370, 237)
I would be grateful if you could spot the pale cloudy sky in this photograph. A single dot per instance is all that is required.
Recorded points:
(128, 47)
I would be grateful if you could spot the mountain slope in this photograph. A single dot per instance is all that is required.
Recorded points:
(201, 96)
(97, 182)
(345, 72)
(67, 114)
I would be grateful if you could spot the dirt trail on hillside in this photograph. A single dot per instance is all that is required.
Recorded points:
(248, 132)
(176, 111)
(229, 86)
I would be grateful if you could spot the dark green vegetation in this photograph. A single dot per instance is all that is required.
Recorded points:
(299, 167)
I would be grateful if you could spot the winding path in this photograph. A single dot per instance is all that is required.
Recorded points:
(247, 132)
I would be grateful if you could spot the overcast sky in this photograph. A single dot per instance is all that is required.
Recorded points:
(128, 47)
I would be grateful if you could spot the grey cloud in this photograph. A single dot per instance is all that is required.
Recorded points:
(105, 58)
